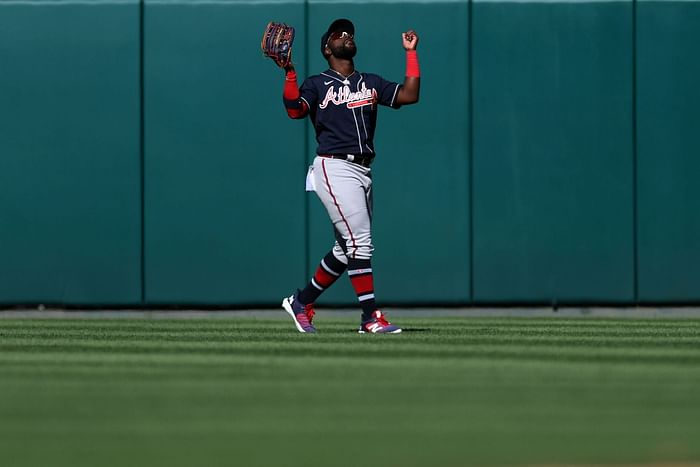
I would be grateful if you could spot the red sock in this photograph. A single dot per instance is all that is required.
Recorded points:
(362, 279)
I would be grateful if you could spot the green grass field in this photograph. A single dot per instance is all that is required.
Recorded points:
(254, 392)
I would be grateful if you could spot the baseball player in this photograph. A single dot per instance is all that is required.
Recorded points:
(342, 104)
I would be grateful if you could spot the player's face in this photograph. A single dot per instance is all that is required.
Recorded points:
(342, 44)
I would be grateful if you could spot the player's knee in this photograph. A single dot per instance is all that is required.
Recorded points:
(363, 251)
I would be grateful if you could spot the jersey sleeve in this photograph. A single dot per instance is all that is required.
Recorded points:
(309, 93)
(387, 92)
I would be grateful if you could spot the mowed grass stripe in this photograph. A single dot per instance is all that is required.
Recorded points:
(546, 349)
(462, 328)
(451, 392)
(257, 372)
(680, 339)
(216, 366)
(278, 339)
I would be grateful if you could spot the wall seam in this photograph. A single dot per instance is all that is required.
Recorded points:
(142, 151)
(635, 171)
(470, 144)
(307, 201)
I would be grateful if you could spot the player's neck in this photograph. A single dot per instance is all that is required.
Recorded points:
(342, 66)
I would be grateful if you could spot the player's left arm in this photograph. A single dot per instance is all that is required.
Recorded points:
(296, 107)
(410, 91)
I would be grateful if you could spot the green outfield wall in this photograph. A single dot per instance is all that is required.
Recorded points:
(70, 209)
(668, 150)
(146, 158)
(224, 213)
(553, 151)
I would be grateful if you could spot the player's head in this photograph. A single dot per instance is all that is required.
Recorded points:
(339, 40)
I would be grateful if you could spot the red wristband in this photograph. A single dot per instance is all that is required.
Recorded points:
(412, 67)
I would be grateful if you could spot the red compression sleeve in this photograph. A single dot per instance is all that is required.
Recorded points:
(296, 108)
(412, 67)
(291, 90)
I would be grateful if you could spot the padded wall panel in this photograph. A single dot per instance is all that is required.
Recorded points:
(224, 200)
(668, 95)
(553, 173)
(69, 152)
(421, 179)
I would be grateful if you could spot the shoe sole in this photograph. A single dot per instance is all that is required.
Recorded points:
(398, 331)
(288, 308)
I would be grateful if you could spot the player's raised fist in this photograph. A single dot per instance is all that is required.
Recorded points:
(410, 39)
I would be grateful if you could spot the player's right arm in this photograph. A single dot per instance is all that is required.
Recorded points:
(295, 105)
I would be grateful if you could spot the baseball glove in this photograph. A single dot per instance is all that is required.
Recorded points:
(277, 43)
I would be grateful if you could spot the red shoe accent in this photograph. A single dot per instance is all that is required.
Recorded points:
(310, 312)
(379, 316)
(378, 325)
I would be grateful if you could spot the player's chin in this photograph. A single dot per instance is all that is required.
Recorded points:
(346, 52)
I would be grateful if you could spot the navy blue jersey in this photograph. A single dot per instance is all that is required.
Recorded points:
(344, 111)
